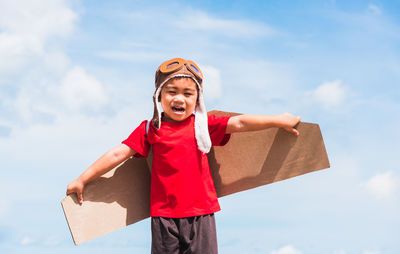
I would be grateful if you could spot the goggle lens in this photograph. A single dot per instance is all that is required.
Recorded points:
(194, 67)
(172, 65)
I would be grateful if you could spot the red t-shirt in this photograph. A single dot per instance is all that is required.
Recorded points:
(181, 181)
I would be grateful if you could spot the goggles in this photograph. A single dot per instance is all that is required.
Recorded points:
(176, 64)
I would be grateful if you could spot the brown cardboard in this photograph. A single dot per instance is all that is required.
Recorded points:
(250, 159)
(117, 199)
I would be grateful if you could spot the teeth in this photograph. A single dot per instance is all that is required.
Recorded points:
(178, 109)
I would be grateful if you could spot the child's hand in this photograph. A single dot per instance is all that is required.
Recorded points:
(76, 186)
(289, 121)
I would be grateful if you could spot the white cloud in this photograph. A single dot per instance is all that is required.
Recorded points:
(200, 21)
(366, 27)
(15, 52)
(79, 89)
(72, 134)
(47, 93)
(374, 9)
(259, 86)
(37, 18)
(28, 26)
(37, 97)
(371, 252)
(131, 56)
(56, 61)
(32, 35)
(26, 240)
(277, 79)
(212, 82)
(383, 185)
(3, 206)
(188, 19)
(52, 241)
(287, 250)
(22, 105)
(330, 94)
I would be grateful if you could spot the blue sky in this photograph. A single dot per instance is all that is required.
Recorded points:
(76, 77)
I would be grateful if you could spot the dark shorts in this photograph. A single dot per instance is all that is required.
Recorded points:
(194, 235)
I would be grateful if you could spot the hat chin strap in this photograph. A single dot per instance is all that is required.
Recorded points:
(200, 121)
(201, 125)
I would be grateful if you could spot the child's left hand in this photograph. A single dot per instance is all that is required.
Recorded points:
(288, 122)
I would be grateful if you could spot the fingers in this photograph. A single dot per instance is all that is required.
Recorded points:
(80, 197)
(295, 132)
(69, 190)
(77, 189)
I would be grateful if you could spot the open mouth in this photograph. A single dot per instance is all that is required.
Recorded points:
(178, 109)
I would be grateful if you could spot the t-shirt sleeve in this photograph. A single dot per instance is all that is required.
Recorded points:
(137, 140)
(217, 129)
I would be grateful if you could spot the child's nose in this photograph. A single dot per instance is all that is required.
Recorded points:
(179, 98)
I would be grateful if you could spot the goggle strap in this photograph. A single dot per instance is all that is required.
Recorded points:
(190, 65)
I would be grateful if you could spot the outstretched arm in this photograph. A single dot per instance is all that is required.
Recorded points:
(105, 163)
(243, 123)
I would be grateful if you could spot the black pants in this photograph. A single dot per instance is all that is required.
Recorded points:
(191, 235)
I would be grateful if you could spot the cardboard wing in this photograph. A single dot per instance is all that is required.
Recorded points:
(250, 159)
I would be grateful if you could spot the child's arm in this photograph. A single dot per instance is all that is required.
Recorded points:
(242, 123)
(105, 163)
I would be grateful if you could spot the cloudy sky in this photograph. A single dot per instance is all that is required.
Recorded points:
(76, 77)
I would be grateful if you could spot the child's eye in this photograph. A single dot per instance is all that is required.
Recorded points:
(188, 94)
(171, 92)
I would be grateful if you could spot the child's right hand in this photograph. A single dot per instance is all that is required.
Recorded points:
(76, 186)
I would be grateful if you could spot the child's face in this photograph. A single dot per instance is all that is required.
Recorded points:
(178, 99)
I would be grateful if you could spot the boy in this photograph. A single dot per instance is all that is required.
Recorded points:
(183, 198)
